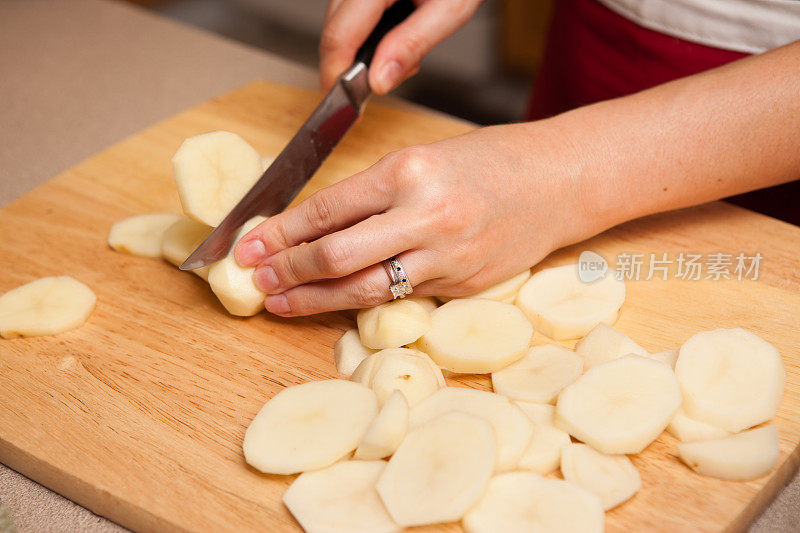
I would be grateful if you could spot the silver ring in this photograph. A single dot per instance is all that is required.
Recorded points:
(400, 283)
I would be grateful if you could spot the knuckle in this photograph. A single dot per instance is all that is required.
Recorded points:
(320, 213)
(410, 166)
(288, 272)
(415, 45)
(333, 258)
(451, 215)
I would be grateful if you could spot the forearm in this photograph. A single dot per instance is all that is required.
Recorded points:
(701, 138)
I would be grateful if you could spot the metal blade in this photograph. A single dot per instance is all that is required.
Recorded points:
(293, 167)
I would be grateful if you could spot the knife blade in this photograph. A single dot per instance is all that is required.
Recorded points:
(309, 147)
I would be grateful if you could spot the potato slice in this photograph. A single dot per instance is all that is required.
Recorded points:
(512, 429)
(348, 352)
(540, 375)
(668, 357)
(612, 477)
(401, 369)
(505, 291)
(543, 453)
(340, 498)
(687, 429)
(527, 502)
(730, 378)
(233, 284)
(309, 426)
(141, 235)
(604, 344)
(213, 171)
(181, 239)
(46, 306)
(621, 406)
(563, 307)
(392, 324)
(387, 430)
(439, 471)
(539, 413)
(747, 455)
(476, 336)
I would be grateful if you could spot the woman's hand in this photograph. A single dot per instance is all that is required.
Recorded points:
(462, 214)
(349, 22)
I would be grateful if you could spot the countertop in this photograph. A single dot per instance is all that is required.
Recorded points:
(81, 75)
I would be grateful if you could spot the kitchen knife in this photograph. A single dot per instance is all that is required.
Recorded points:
(301, 158)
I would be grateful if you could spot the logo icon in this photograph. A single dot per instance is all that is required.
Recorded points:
(591, 266)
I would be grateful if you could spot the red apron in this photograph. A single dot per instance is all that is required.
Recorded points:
(594, 54)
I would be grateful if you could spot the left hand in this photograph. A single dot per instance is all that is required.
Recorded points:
(462, 214)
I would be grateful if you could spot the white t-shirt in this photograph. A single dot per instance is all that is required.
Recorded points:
(750, 26)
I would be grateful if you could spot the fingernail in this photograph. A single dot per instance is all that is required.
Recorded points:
(266, 279)
(277, 304)
(389, 76)
(250, 253)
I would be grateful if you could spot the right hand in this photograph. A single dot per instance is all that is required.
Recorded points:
(348, 23)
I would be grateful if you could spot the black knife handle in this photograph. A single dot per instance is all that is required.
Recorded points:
(397, 13)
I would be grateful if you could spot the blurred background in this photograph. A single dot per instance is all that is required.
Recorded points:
(483, 73)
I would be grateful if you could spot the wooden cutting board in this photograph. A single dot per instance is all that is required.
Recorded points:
(139, 415)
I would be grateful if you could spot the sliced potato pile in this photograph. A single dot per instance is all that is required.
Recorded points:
(740, 457)
(604, 344)
(540, 375)
(46, 306)
(543, 453)
(612, 477)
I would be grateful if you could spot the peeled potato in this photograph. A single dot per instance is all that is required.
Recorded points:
(181, 239)
(604, 344)
(213, 171)
(612, 477)
(476, 336)
(512, 429)
(730, 378)
(526, 502)
(505, 291)
(540, 375)
(348, 352)
(141, 235)
(439, 471)
(233, 284)
(46, 306)
(309, 426)
(340, 499)
(392, 324)
(747, 455)
(429, 303)
(562, 307)
(621, 406)
(386, 432)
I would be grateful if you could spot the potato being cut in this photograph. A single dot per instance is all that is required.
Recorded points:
(233, 284)
(505, 291)
(309, 426)
(604, 344)
(612, 477)
(348, 352)
(522, 502)
(540, 375)
(476, 336)
(213, 171)
(46, 306)
(688, 429)
(730, 378)
(747, 455)
(141, 235)
(181, 239)
(392, 324)
(512, 429)
(387, 430)
(401, 369)
(439, 471)
(340, 499)
(621, 406)
(562, 307)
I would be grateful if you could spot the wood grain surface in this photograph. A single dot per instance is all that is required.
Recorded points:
(139, 415)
